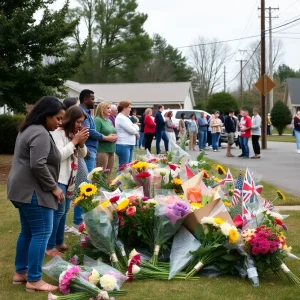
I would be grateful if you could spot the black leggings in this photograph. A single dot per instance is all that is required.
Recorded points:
(148, 137)
(255, 144)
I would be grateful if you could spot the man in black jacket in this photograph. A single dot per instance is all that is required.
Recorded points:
(230, 127)
(161, 130)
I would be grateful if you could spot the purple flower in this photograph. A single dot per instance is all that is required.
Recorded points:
(181, 208)
(176, 211)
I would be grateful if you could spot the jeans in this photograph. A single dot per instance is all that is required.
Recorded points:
(172, 138)
(125, 153)
(255, 144)
(245, 147)
(202, 138)
(268, 129)
(297, 134)
(209, 138)
(161, 135)
(59, 221)
(215, 140)
(91, 160)
(142, 140)
(36, 227)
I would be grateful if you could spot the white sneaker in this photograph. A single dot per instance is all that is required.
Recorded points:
(67, 228)
(74, 231)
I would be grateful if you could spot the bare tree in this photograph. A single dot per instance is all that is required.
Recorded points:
(207, 59)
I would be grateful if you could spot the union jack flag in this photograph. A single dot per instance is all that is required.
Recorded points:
(250, 190)
(228, 178)
(237, 193)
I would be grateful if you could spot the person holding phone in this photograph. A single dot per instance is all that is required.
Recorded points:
(69, 139)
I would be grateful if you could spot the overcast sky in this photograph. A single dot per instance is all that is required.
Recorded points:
(182, 21)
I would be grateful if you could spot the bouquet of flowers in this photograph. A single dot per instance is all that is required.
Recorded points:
(123, 181)
(86, 197)
(98, 224)
(136, 222)
(71, 280)
(169, 215)
(267, 245)
(99, 177)
(213, 233)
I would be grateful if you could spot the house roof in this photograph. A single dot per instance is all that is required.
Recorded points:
(294, 90)
(142, 93)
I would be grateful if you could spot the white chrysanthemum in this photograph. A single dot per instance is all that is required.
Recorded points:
(208, 221)
(135, 269)
(225, 228)
(133, 253)
(96, 170)
(108, 282)
(52, 297)
(81, 184)
(94, 277)
(61, 276)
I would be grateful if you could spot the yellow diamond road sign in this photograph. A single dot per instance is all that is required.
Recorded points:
(265, 85)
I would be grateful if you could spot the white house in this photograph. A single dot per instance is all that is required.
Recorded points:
(292, 94)
(142, 95)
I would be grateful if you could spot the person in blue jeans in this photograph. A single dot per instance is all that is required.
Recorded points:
(127, 134)
(69, 139)
(160, 133)
(216, 129)
(32, 188)
(202, 131)
(87, 99)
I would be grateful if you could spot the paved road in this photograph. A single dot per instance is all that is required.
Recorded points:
(279, 165)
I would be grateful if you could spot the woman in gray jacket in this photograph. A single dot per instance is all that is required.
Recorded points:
(256, 133)
(32, 188)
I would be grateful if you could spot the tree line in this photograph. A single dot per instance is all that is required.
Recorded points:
(38, 55)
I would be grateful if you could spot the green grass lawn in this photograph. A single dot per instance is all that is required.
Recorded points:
(287, 136)
(221, 288)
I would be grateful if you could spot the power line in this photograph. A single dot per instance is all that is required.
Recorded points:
(283, 25)
(245, 64)
(287, 8)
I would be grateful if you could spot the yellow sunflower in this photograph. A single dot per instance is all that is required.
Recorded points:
(233, 236)
(123, 205)
(177, 181)
(78, 199)
(280, 195)
(88, 189)
(219, 221)
(220, 170)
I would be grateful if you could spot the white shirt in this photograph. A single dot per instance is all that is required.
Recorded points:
(66, 149)
(126, 131)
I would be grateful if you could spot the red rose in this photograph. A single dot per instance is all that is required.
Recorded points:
(172, 167)
(152, 160)
(143, 175)
(279, 222)
(130, 212)
(121, 221)
(114, 199)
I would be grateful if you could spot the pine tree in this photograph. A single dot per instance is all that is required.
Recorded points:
(281, 116)
(35, 58)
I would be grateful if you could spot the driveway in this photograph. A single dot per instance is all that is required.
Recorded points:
(279, 165)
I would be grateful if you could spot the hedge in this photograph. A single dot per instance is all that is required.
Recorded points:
(8, 132)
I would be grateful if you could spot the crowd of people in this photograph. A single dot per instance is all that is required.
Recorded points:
(60, 143)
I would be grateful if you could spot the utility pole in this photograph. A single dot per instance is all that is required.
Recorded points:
(241, 78)
(271, 95)
(224, 79)
(263, 71)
